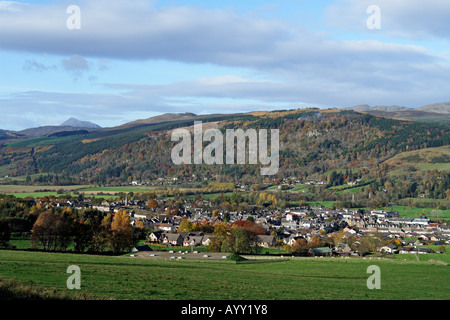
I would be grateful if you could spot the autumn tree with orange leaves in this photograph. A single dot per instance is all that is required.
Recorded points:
(52, 231)
(122, 238)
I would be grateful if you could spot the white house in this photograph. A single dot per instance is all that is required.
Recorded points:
(142, 216)
(164, 226)
(389, 249)
(414, 250)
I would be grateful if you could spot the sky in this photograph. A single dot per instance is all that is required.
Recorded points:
(115, 61)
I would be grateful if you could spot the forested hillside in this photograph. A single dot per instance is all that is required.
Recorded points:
(314, 144)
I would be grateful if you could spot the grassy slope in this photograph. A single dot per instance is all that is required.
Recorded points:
(413, 212)
(423, 159)
(26, 188)
(404, 211)
(300, 278)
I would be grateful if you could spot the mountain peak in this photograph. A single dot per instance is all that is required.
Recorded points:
(73, 122)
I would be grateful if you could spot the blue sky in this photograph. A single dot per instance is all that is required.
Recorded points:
(135, 59)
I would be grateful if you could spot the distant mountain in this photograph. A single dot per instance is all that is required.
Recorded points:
(367, 108)
(47, 130)
(72, 122)
(443, 108)
(178, 117)
(162, 118)
(432, 113)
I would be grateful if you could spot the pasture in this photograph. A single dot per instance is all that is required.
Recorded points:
(125, 277)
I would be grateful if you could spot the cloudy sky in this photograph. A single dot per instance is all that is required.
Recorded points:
(118, 61)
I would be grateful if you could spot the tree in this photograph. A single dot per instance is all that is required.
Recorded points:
(219, 236)
(52, 231)
(153, 204)
(185, 226)
(337, 237)
(370, 243)
(300, 246)
(315, 242)
(121, 232)
(250, 226)
(100, 234)
(215, 213)
(239, 241)
(83, 236)
(5, 233)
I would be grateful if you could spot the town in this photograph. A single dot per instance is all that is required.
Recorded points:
(282, 228)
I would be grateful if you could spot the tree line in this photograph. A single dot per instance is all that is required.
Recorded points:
(61, 229)
(56, 231)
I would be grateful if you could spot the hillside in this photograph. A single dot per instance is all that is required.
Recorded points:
(46, 130)
(167, 117)
(443, 108)
(8, 136)
(421, 160)
(313, 142)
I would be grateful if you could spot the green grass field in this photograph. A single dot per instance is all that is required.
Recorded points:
(13, 188)
(343, 189)
(404, 211)
(23, 195)
(125, 189)
(421, 160)
(35, 195)
(23, 191)
(414, 212)
(124, 277)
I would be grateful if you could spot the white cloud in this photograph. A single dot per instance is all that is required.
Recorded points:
(116, 29)
(298, 65)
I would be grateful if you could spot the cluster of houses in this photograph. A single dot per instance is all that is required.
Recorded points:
(192, 239)
(306, 223)
(187, 239)
(409, 231)
(288, 225)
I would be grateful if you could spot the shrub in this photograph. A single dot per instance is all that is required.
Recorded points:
(235, 257)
